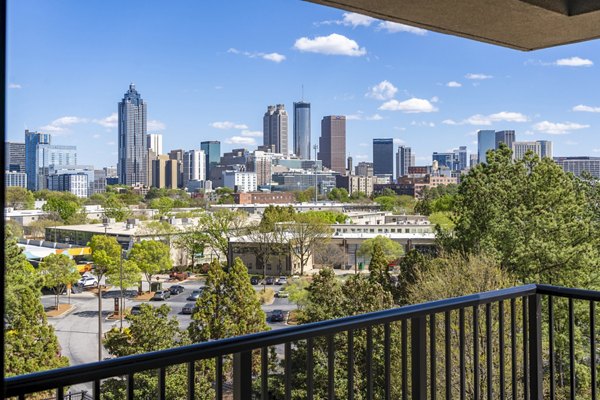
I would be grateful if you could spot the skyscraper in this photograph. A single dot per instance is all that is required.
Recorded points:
(40, 155)
(275, 129)
(443, 159)
(403, 160)
(519, 149)
(133, 154)
(545, 148)
(460, 159)
(154, 143)
(212, 154)
(15, 157)
(506, 137)
(383, 156)
(332, 143)
(194, 166)
(486, 140)
(302, 130)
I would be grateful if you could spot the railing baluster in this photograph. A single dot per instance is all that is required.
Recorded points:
(387, 356)
(350, 365)
(551, 345)
(60, 393)
(461, 349)
(432, 356)
(513, 346)
(191, 375)
(448, 356)
(330, 368)
(287, 350)
(476, 378)
(501, 349)
(161, 384)
(309, 368)
(593, 350)
(535, 347)
(572, 349)
(242, 375)
(369, 362)
(96, 389)
(418, 349)
(130, 387)
(525, 351)
(22, 396)
(489, 352)
(219, 377)
(264, 373)
(404, 359)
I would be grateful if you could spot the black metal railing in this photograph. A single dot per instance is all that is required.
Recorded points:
(527, 342)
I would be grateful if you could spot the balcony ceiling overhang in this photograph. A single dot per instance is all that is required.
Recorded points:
(518, 24)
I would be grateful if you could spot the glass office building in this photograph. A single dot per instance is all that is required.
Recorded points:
(383, 156)
(302, 130)
(486, 140)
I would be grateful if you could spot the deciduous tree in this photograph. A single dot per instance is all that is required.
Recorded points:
(151, 257)
(58, 271)
(19, 198)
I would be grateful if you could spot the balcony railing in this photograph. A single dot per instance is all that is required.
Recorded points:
(498, 344)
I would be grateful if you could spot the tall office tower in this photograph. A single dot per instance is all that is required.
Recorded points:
(40, 155)
(261, 162)
(350, 166)
(443, 159)
(194, 166)
(577, 165)
(212, 153)
(519, 149)
(154, 143)
(460, 159)
(545, 148)
(302, 130)
(15, 157)
(506, 137)
(364, 168)
(383, 156)
(176, 169)
(275, 129)
(332, 143)
(486, 140)
(403, 160)
(133, 154)
(473, 160)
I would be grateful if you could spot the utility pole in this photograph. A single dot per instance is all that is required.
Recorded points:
(316, 147)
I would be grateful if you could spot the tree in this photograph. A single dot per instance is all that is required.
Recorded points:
(391, 250)
(192, 242)
(164, 205)
(58, 271)
(115, 208)
(330, 255)
(325, 298)
(151, 257)
(304, 235)
(274, 214)
(19, 198)
(221, 225)
(305, 196)
(15, 228)
(37, 229)
(339, 194)
(378, 267)
(30, 344)
(63, 205)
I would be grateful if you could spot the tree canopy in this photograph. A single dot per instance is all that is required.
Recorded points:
(151, 257)
(58, 272)
(18, 198)
(391, 250)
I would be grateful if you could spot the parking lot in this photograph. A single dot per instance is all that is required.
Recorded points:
(77, 331)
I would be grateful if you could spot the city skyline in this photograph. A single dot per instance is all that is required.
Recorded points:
(426, 90)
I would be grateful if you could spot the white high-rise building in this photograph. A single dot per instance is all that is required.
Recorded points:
(521, 148)
(240, 181)
(403, 160)
(154, 143)
(194, 166)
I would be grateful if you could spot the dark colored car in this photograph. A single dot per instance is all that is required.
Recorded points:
(194, 295)
(277, 316)
(254, 280)
(161, 295)
(269, 280)
(176, 289)
(136, 310)
(188, 308)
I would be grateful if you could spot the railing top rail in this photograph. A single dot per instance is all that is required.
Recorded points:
(125, 365)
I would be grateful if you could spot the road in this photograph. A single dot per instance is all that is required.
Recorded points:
(77, 331)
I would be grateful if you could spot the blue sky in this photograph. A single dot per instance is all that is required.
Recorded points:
(209, 69)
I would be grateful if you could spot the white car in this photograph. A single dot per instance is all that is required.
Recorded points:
(282, 280)
(88, 281)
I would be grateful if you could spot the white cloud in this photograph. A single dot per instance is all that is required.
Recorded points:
(478, 77)
(14, 86)
(61, 124)
(241, 140)
(359, 116)
(361, 156)
(155, 125)
(423, 123)
(227, 125)
(275, 57)
(479, 119)
(246, 132)
(573, 62)
(334, 44)
(384, 90)
(398, 141)
(354, 20)
(583, 108)
(454, 84)
(558, 128)
(413, 105)
(394, 27)
(96, 136)
(109, 122)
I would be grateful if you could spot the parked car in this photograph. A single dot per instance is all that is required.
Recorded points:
(176, 289)
(188, 308)
(254, 280)
(194, 295)
(282, 280)
(282, 294)
(161, 295)
(269, 280)
(88, 281)
(136, 310)
(180, 276)
(277, 316)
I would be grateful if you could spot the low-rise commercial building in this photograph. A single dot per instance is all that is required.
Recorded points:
(13, 178)
(264, 198)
